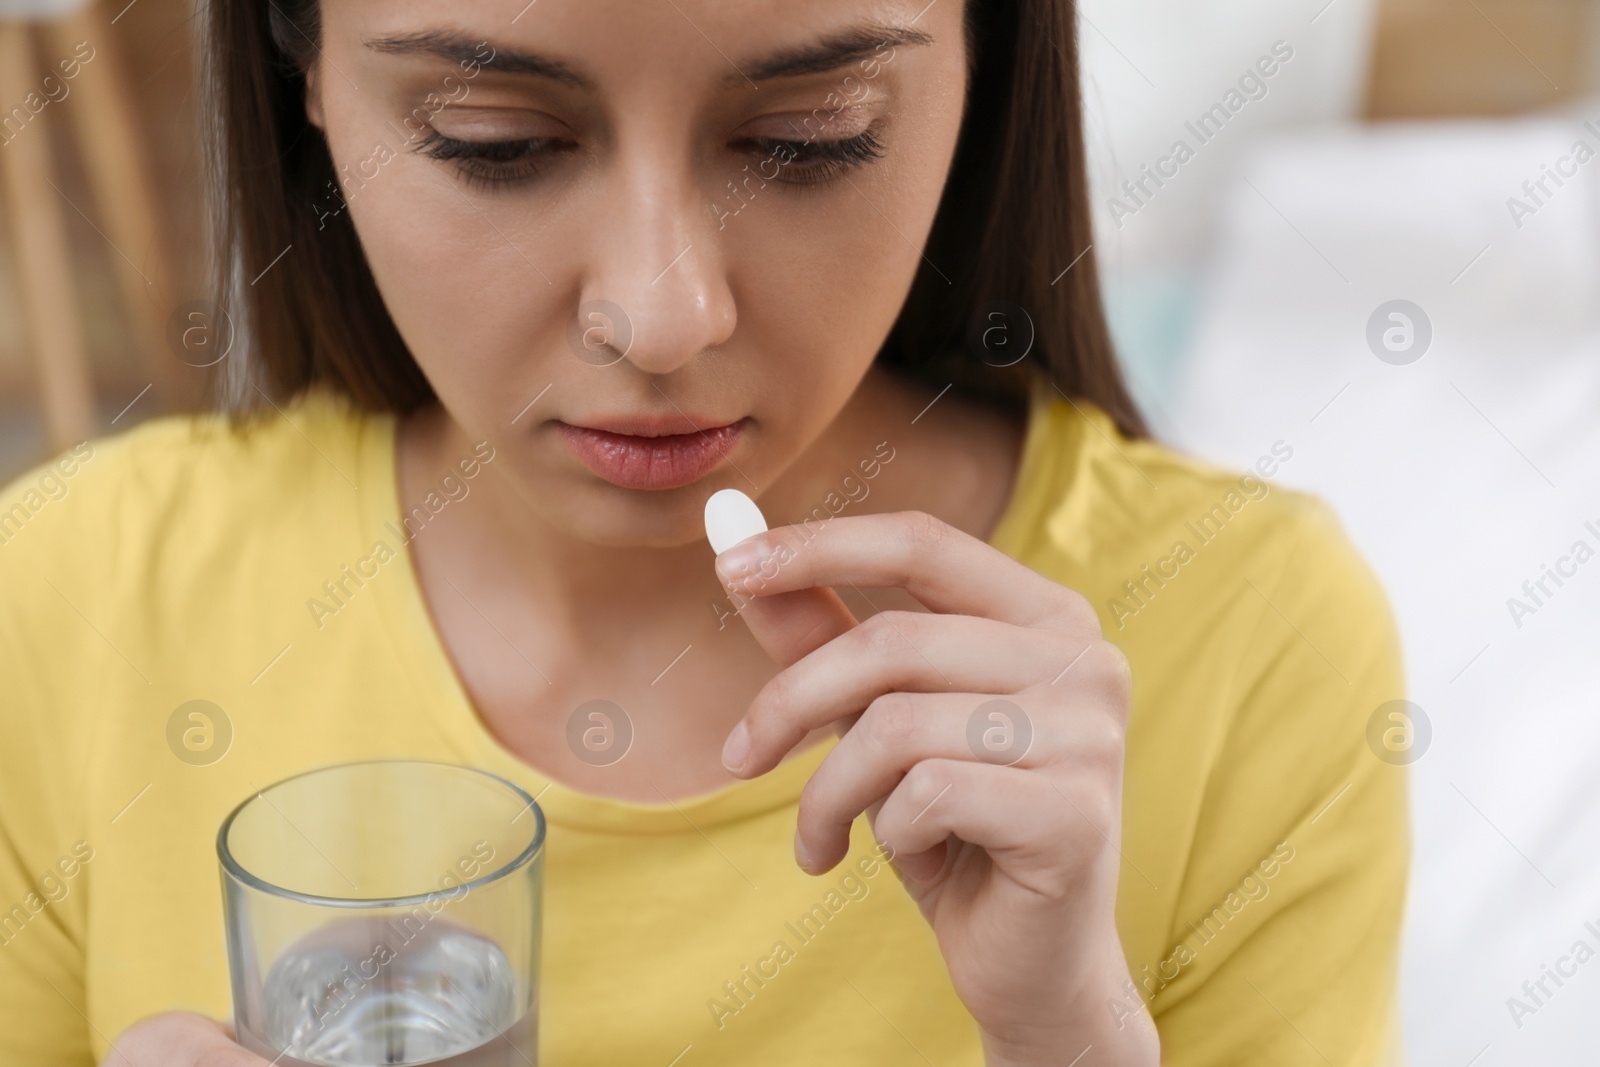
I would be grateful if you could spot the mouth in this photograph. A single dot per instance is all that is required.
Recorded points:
(640, 454)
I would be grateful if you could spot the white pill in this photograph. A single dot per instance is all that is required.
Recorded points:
(730, 518)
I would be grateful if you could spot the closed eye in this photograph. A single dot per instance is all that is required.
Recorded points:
(497, 164)
(494, 164)
(812, 162)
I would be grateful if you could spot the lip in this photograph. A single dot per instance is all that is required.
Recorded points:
(643, 453)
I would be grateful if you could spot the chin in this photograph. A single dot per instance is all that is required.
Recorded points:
(613, 517)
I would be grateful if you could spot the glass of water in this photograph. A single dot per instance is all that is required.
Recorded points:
(385, 912)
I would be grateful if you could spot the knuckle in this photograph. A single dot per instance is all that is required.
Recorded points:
(1114, 739)
(1115, 661)
(770, 704)
(1079, 614)
(1106, 671)
(924, 782)
(783, 546)
(884, 634)
(1103, 754)
(890, 720)
(1086, 822)
(1101, 808)
(926, 530)
(1119, 675)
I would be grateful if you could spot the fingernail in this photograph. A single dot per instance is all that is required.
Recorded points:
(740, 560)
(802, 856)
(736, 750)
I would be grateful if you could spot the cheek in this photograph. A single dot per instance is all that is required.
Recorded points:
(820, 274)
(814, 302)
(456, 270)
(428, 256)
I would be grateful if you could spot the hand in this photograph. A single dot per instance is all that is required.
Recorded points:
(179, 1039)
(1011, 855)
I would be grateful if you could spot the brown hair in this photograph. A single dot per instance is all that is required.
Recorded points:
(1014, 218)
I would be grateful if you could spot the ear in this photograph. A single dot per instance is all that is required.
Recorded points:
(314, 95)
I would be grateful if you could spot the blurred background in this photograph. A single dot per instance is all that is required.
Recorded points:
(1378, 243)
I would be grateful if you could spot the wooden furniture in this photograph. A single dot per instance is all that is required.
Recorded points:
(1435, 58)
(63, 80)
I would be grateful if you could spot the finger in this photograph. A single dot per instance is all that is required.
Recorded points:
(900, 730)
(224, 1053)
(792, 625)
(895, 651)
(1029, 823)
(786, 626)
(180, 1037)
(944, 568)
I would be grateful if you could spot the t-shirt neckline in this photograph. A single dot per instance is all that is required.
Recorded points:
(423, 656)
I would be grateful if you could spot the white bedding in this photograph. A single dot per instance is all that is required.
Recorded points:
(1461, 476)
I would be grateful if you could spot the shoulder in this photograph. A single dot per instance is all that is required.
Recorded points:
(1196, 569)
(1129, 519)
(114, 550)
(178, 480)
(133, 563)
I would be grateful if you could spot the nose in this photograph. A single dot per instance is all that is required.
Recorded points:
(656, 259)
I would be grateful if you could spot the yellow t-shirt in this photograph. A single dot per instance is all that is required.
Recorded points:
(1266, 845)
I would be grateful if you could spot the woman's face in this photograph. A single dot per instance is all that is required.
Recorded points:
(653, 217)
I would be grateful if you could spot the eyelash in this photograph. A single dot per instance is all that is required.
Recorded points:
(496, 164)
(491, 164)
(820, 161)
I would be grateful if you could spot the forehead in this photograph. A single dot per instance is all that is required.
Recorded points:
(585, 44)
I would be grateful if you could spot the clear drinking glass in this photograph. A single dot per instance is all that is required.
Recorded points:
(385, 912)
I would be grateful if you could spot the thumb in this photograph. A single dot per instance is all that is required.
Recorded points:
(787, 625)
(179, 1039)
(790, 626)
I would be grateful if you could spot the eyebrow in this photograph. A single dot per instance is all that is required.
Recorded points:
(461, 48)
(830, 53)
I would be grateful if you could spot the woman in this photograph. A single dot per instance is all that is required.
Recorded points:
(518, 286)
